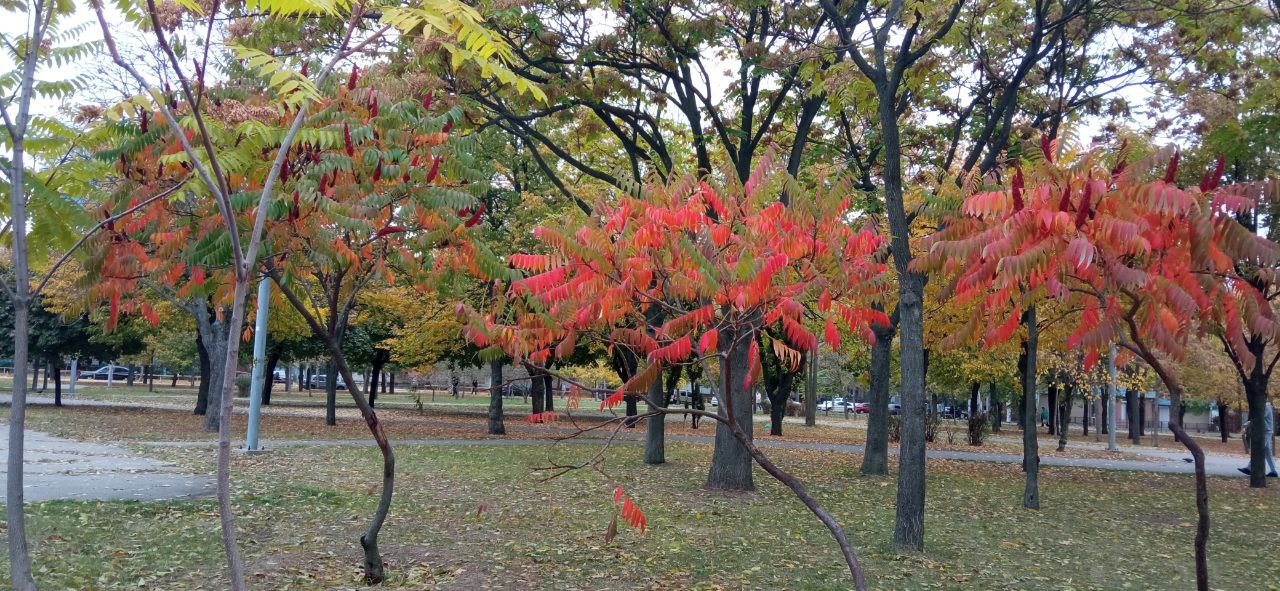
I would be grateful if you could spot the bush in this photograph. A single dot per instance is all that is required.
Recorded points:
(977, 428)
(242, 386)
(931, 423)
(895, 428)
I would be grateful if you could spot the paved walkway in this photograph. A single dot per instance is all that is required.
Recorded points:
(1166, 460)
(58, 468)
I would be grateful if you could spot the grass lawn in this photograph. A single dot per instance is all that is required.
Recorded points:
(301, 510)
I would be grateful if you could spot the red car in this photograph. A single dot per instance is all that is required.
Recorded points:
(862, 408)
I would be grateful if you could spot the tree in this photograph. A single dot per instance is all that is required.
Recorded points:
(695, 265)
(887, 68)
(32, 186)
(1146, 260)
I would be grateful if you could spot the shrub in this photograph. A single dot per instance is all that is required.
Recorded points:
(931, 423)
(977, 428)
(242, 385)
(895, 428)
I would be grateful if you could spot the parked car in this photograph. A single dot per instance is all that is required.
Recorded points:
(837, 405)
(121, 373)
(895, 408)
(321, 381)
(862, 408)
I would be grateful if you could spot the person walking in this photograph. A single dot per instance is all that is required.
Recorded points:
(1268, 432)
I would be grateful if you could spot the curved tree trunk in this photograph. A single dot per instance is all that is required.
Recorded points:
(495, 398)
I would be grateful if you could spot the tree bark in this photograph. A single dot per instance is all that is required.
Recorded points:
(1064, 417)
(1030, 443)
(1223, 427)
(57, 383)
(495, 398)
(535, 387)
(997, 408)
(1255, 393)
(217, 345)
(811, 390)
(1052, 404)
(875, 457)
(655, 450)
(331, 393)
(549, 391)
(973, 398)
(1131, 410)
(730, 459)
(273, 359)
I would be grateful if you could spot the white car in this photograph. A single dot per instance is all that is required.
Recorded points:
(830, 405)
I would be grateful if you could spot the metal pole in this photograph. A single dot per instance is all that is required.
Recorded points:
(256, 386)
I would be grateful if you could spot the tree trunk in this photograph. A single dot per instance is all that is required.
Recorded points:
(1064, 417)
(1255, 392)
(57, 382)
(997, 408)
(811, 390)
(973, 398)
(217, 348)
(331, 393)
(1223, 427)
(548, 390)
(391, 383)
(655, 451)
(535, 387)
(875, 457)
(273, 358)
(1030, 443)
(1052, 404)
(1131, 410)
(19, 556)
(495, 398)
(730, 460)
(1084, 408)
(128, 377)
(696, 399)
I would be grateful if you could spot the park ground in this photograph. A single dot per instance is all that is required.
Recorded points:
(470, 516)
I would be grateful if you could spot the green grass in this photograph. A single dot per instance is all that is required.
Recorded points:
(301, 509)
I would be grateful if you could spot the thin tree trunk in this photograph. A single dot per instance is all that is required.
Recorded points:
(495, 398)
(1131, 410)
(973, 398)
(1030, 443)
